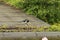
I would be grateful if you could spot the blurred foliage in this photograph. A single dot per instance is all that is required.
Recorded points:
(53, 28)
(46, 10)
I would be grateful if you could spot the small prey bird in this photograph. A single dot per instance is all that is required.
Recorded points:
(25, 21)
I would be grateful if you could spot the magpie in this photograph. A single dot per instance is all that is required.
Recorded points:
(26, 20)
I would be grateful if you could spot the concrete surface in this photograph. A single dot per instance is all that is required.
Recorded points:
(29, 34)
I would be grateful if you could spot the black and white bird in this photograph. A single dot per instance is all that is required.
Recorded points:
(26, 21)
